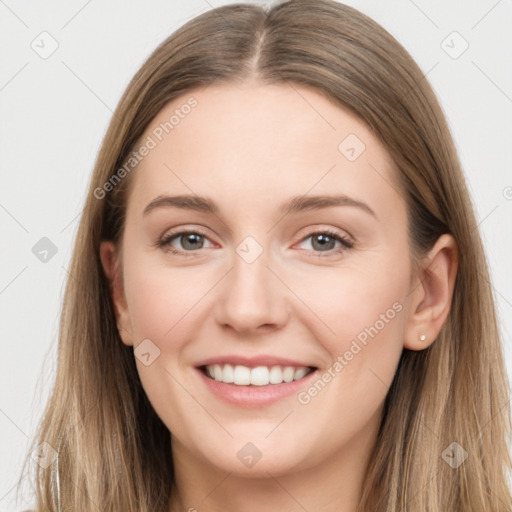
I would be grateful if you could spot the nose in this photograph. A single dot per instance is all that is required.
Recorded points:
(251, 298)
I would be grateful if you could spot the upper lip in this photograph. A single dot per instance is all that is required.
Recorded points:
(252, 362)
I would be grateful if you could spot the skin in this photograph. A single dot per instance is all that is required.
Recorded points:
(250, 148)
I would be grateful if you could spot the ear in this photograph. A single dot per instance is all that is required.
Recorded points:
(431, 294)
(111, 262)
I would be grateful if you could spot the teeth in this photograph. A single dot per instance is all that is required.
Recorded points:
(241, 376)
(258, 376)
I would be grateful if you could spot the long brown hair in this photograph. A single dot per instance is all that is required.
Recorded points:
(114, 451)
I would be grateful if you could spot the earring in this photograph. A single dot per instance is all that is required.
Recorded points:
(423, 337)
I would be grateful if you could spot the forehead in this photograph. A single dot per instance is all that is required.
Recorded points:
(254, 141)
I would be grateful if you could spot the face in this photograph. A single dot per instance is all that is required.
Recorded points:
(287, 247)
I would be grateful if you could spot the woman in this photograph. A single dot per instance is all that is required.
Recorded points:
(279, 297)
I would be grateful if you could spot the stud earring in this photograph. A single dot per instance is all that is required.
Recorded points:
(423, 337)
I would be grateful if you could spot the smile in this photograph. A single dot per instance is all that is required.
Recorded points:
(240, 375)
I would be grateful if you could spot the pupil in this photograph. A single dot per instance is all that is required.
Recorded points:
(190, 240)
(323, 240)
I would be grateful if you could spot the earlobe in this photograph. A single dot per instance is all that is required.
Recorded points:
(110, 261)
(432, 294)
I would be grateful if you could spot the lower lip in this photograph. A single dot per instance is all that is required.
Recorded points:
(255, 396)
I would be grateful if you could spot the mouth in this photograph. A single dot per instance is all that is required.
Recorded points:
(257, 376)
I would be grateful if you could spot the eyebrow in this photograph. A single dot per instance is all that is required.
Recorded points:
(294, 205)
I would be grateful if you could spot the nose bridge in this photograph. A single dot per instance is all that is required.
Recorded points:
(251, 295)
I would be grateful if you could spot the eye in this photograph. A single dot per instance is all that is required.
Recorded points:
(190, 241)
(325, 242)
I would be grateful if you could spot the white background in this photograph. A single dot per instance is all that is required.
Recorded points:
(54, 113)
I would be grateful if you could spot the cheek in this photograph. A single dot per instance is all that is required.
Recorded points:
(361, 327)
(163, 304)
(350, 304)
(371, 310)
(362, 315)
(160, 299)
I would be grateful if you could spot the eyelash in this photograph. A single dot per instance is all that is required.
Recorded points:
(164, 242)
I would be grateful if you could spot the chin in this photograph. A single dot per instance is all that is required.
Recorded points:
(256, 459)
